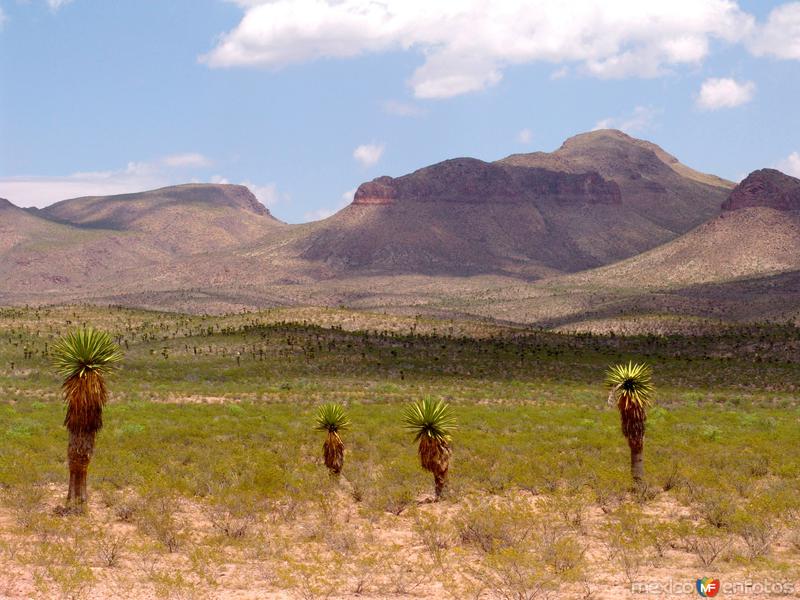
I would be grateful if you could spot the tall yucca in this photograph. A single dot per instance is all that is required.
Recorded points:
(83, 357)
(632, 388)
(432, 423)
(332, 418)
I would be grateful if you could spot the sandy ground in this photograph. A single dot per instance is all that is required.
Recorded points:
(333, 548)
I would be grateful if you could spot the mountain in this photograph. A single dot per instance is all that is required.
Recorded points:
(85, 247)
(39, 256)
(757, 234)
(510, 239)
(602, 197)
(652, 182)
(181, 219)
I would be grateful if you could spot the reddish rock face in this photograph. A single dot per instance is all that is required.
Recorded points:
(471, 181)
(766, 187)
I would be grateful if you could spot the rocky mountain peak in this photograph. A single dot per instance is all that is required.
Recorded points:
(765, 187)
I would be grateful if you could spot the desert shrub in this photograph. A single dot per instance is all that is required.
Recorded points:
(156, 517)
(706, 542)
(234, 514)
(564, 554)
(25, 501)
(628, 540)
(110, 547)
(673, 478)
(717, 507)
(500, 524)
(388, 489)
(436, 535)
(569, 505)
(516, 574)
(609, 487)
(758, 525)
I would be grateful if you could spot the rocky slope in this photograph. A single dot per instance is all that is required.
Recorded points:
(653, 183)
(756, 235)
(602, 197)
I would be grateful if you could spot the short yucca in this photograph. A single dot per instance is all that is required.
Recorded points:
(631, 386)
(332, 418)
(83, 357)
(432, 423)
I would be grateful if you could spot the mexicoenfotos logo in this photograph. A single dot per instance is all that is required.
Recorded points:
(708, 587)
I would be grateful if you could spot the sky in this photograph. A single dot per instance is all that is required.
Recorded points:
(303, 100)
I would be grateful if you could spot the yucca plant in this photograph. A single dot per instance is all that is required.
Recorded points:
(332, 418)
(83, 357)
(432, 423)
(632, 388)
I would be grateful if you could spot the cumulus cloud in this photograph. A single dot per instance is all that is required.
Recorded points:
(779, 36)
(466, 44)
(190, 159)
(790, 165)
(56, 4)
(525, 136)
(368, 154)
(325, 212)
(640, 120)
(725, 93)
(268, 194)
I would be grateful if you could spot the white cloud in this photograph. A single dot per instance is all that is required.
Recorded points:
(403, 109)
(525, 136)
(368, 154)
(725, 93)
(466, 44)
(189, 160)
(3, 17)
(641, 119)
(267, 194)
(56, 4)
(325, 212)
(790, 165)
(780, 35)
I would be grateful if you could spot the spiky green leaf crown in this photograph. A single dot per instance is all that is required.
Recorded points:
(84, 351)
(331, 417)
(631, 381)
(429, 417)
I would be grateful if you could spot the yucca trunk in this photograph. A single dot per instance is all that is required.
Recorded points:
(434, 456)
(633, 419)
(333, 450)
(637, 460)
(79, 453)
(85, 396)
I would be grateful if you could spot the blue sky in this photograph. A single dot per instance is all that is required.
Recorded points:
(304, 99)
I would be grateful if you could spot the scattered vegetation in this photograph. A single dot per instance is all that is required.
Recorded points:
(209, 478)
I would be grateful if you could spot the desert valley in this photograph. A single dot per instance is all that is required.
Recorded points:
(388, 299)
